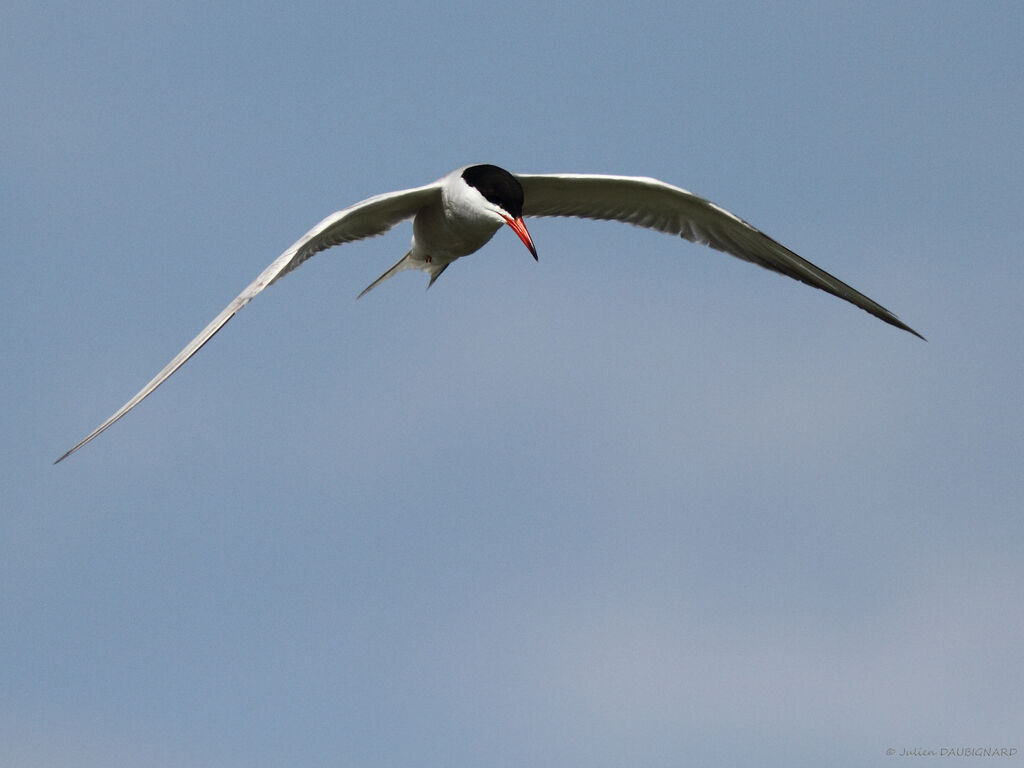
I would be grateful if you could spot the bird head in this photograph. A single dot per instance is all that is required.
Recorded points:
(502, 195)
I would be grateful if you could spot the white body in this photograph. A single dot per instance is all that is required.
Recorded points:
(455, 223)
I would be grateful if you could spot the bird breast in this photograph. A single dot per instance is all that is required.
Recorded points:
(452, 229)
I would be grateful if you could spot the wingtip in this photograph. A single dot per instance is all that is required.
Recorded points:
(66, 454)
(903, 326)
(79, 445)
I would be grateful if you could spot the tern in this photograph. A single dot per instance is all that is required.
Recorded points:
(460, 212)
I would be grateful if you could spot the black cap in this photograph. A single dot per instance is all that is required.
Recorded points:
(498, 186)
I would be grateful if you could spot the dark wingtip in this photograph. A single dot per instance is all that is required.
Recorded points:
(58, 461)
(903, 326)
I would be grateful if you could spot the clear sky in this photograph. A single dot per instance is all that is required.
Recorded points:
(636, 504)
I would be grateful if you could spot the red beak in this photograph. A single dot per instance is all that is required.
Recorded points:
(519, 227)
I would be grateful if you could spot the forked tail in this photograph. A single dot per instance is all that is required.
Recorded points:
(404, 263)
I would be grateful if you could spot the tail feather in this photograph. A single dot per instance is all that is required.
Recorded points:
(436, 273)
(401, 265)
(404, 263)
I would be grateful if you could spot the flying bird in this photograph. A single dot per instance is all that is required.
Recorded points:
(457, 214)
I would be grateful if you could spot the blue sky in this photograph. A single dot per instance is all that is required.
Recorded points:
(636, 504)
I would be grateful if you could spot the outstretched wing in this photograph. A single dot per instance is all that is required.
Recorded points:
(654, 204)
(371, 217)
